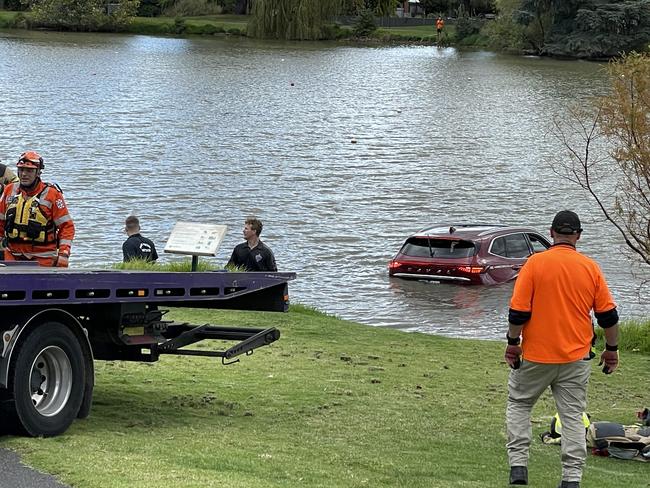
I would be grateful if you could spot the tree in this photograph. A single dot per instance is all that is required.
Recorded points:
(435, 6)
(292, 19)
(608, 149)
(503, 33)
(365, 24)
(583, 28)
(89, 15)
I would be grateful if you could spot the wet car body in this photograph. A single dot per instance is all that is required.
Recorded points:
(472, 254)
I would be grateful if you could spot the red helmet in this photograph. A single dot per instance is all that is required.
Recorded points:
(30, 159)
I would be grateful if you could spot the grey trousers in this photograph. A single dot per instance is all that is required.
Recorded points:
(568, 384)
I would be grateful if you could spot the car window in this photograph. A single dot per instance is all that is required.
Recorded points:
(499, 246)
(511, 246)
(538, 242)
(517, 246)
(438, 248)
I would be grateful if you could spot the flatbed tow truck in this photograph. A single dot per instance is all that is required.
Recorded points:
(55, 322)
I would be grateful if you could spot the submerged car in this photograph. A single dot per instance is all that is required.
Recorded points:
(466, 253)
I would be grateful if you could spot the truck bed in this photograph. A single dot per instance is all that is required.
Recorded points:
(34, 285)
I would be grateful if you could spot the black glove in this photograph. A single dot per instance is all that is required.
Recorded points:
(610, 358)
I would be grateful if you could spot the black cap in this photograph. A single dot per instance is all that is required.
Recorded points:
(566, 222)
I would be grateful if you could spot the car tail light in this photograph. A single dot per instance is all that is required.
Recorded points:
(471, 269)
(393, 264)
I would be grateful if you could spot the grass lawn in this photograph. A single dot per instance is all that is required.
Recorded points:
(425, 31)
(331, 404)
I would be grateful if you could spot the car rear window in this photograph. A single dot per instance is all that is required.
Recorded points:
(421, 247)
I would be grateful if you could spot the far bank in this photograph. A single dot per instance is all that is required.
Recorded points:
(499, 34)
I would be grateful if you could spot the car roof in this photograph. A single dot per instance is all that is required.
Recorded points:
(469, 231)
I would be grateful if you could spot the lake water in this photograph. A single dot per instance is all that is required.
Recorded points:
(215, 130)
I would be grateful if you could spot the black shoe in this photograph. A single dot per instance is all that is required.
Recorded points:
(518, 475)
(569, 484)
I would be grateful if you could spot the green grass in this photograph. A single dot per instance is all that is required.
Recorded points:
(424, 33)
(175, 266)
(182, 265)
(7, 18)
(331, 404)
(207, 25)
(635, 337)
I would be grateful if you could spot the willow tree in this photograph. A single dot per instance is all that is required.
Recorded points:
(292, 19)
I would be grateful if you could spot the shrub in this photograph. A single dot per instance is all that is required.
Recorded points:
(192, 8)
(179, 26)
(20, 21)
(466, 27)
(504, 34)
(333, 31)
(365, 24)
(208, 29)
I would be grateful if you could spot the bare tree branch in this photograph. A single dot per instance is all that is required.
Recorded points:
(609, 142)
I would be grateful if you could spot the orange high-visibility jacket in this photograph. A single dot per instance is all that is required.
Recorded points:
(440, 24)
(53, 207)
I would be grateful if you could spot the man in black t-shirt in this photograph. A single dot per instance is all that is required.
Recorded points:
(137, 246)
(253, 255)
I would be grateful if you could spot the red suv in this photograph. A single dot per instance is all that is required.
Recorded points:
(466, 253)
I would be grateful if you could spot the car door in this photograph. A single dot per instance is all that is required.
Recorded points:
(509, 253)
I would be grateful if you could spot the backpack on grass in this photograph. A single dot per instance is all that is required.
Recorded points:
(619, 441)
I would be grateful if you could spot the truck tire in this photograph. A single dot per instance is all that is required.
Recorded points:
(47, 380)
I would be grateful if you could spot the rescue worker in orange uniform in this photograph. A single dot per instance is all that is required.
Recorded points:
(34, 221)
(440, 24)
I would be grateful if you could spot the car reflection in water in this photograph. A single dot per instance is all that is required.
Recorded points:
(456, 311)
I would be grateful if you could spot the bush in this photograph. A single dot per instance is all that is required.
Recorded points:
(333, 31)
(209, 29)
(192, 8)
(179, 26)
(466, 27)
(89, 15)
(365, 24)
(504, 34)
(149, 8)
(228, 6)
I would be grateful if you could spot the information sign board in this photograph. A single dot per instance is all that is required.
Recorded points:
(195, 239)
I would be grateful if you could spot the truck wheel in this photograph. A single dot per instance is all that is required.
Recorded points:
(47, 380)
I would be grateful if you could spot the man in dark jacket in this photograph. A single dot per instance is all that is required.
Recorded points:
(137, 246)
(253, 255)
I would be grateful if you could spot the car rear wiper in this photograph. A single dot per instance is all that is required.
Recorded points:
(429, 242)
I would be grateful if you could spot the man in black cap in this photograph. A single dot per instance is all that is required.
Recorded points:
(549, 339)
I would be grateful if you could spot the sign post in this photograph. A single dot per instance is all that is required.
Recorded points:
(195, 240)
